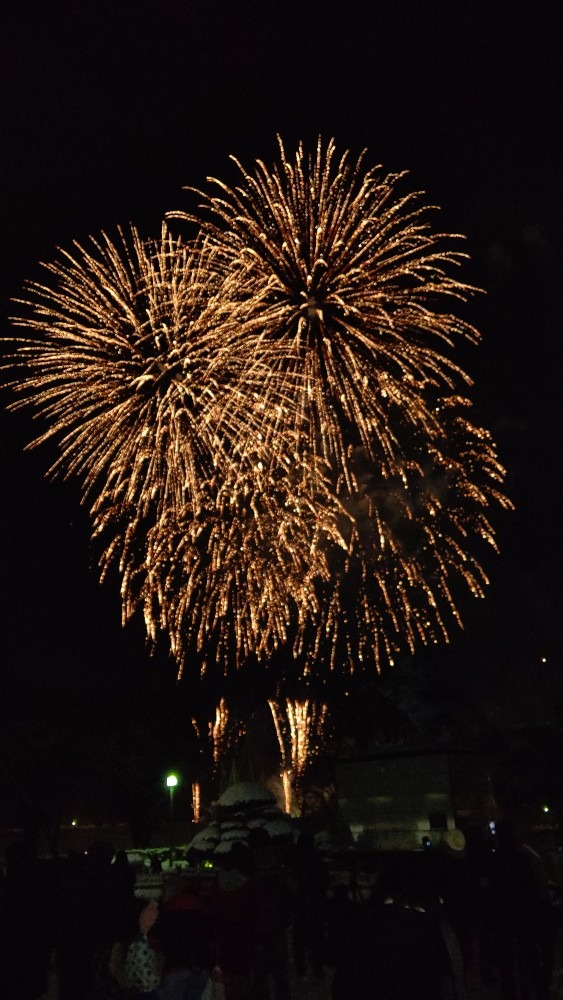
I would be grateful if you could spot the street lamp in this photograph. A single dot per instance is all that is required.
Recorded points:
(171, 783)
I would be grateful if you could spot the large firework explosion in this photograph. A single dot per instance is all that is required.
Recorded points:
(267, 423)
(339, 284)
(127, 360)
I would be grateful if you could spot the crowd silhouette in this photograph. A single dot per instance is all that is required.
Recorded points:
(438, 921)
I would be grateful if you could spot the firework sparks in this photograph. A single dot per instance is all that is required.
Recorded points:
(287, 788)
(337, 285)
(241, 577)
(413, 544)
(298, 729)
(218, 731)
(168, 432)
(344, 293)
(118, 366)
(196, 802)
(267, 422)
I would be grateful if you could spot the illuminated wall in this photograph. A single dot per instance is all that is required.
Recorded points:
(393, 797)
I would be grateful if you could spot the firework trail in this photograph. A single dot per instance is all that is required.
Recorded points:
(267, 422)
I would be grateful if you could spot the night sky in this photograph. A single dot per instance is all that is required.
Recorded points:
(108, 109)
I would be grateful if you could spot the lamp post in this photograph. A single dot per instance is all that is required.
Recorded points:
(171, 783)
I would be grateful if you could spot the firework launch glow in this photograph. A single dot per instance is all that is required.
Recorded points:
(267, 421)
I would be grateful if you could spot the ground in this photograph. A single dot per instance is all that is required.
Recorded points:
(310, 989)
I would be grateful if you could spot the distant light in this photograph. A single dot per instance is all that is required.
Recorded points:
(74, 822)
(544, 659)
(545, 809)
(171, 781)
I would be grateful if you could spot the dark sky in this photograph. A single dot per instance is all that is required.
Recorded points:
(108, 108)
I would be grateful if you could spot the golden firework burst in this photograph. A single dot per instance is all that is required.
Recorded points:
(268, 421)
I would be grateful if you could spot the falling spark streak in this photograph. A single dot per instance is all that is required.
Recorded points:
(266, 422)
